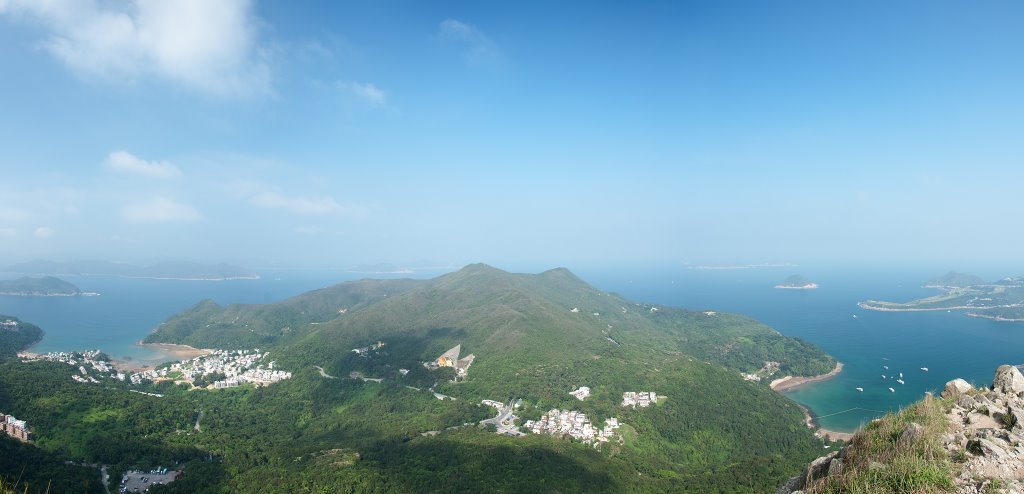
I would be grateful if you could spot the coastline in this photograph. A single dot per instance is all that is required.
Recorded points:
(812, 423)
(994, 318)
(167, 352)
(790, 382)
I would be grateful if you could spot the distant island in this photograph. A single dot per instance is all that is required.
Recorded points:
(46, 286)
(741, 266)
(175, 270)
(1002, 300)
(797, 282)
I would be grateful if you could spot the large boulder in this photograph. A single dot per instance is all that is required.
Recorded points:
(955, 388)
(1008, 380)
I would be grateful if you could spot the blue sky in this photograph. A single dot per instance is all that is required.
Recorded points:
(526, 133)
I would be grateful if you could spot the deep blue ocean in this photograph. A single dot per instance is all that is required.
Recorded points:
(949, 344)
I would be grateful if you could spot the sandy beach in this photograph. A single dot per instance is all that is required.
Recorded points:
(167, 352)
(790, 382)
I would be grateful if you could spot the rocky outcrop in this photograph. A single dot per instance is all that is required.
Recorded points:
(955, 388)
(984, 440)
(1008, 380)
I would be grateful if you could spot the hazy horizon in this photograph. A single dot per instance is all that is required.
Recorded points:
(520, 135)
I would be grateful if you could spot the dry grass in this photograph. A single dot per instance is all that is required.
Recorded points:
(878, 461)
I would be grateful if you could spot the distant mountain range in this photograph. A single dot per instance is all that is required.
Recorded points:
(46, 286)
(179, 270)
(953, 279)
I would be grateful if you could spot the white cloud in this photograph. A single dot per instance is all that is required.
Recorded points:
(206, 45)
(262, 196)
(481, 49)
(366, 92)
(160, 209)
(124, 161)
(43, 232)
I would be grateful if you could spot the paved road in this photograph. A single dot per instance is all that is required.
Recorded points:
(323, 373)
(504, 421)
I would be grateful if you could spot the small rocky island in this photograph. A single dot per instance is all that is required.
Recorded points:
(46, 286)
(1001, 300)
(797, 282)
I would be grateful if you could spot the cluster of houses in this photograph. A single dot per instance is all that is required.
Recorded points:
(9, 324)
(93, 363)
(574, 424)
(364, 351)
(639, 399)
(15, 428)
(237, 366)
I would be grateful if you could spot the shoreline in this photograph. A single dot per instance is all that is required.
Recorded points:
(812, 423)
(168, 352)
(790, 382)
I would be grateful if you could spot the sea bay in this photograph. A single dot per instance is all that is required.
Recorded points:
(949, 344)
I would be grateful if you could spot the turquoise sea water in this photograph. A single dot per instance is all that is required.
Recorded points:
(949, 344)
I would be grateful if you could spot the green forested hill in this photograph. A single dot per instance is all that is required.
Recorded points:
(16, 335)
(713, 431)
(41, 286)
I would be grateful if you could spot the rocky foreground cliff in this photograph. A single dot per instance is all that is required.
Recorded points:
(969, 440)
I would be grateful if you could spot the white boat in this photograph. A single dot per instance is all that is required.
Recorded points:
(886, 367)
(900, 381)
(924, 369)
(859, 389)
(892, 390)
(901, 375)
(883, 376)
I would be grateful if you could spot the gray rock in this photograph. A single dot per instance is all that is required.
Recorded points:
(955, 388)
(965, 401)
(836, 467)
(911, 433)
(793, 485)
(1008, 380)
(984, 447)
(819, 467)
(1014, 419)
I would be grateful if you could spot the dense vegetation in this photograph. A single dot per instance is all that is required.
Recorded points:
(14, 340)
(713, 432)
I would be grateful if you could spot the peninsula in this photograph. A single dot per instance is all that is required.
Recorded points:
(46, 286)
(797, 282)
(1002, 300)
